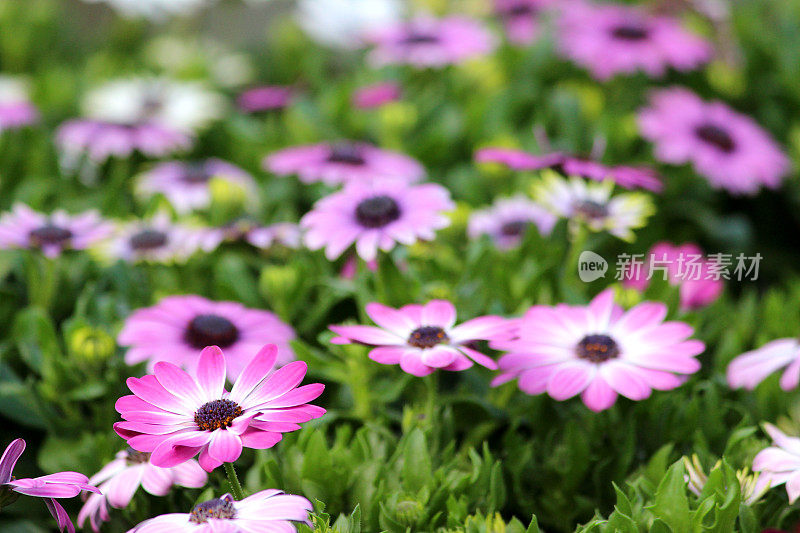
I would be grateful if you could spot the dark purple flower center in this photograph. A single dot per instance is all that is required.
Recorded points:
(514, 228)
(591, 210)
(50, 234)
(211, 330)
(521, 9)
(346, 153)
(377, 211)
(148, 239)
(415, 37)
(630, 32)
(717, 137)
(597, 348)
(217, 414)
(216, 508)
(427, 337)
(195, 173)
(134, 457)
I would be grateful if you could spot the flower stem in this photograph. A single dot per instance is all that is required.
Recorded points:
(233, 480)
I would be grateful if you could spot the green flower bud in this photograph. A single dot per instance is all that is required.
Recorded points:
(91, 345)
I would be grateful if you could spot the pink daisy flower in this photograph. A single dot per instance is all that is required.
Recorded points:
(265, 98)
(522, 18)
(246, 230)
(343, 162)
(376, 216)
(175, 416)
(780, 464)
(628, 177)
(16, 110)
(751, 368)
(429, 42)
(157, 240)
(121, 478)
(726, 147)
(610, 39)
(686, 267)
(598, 351)
(178, 327)
(422, 338)
(507, 221)
(23, 227)
(266, 511)
(49, 487)
(376, 95)
(187, 185)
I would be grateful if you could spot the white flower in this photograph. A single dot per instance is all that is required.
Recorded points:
(343, 23)
(153, 9)
(13, 89)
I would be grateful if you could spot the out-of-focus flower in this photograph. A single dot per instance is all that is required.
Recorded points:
(49, 487)
(684, 266)
(153, 9)
(121, 478)
(507, 221)
(268, 510)
(752, 486)
(376, 95)
(16, 110)
(175, 416)
(376, 216)
(22, 227)
(427, 42)
(780, 464)
(626, 176)
(522, 18)
(181, 57)
(157, 240)
(281, 233)
(423, 338)
(726, 147)
(592, 204)
(265, 98)
(91, 345)
(751, 368)
(178, 327)
(598, 351)
(344, 23)
(187, 184)
(343, 163)
(610, 39)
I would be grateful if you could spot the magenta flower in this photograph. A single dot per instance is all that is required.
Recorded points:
(428, 42)
(780, 464)
(175, 416)
(507, 221)
(265, 98)
(187, 185)
(376, 95)
(422, 338)
(342, 163)
(376, 216)
(629, 177)
(266, 511)
(157, 240)
(609, 39)
(121, 478)
(598, 351)
(728, 148)
(49, 487)
(522, 18)
(685, 266)
(178, 327)
(751, 368)
(23, 227)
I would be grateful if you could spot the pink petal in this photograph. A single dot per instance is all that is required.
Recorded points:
(9, 460)
(282, 381)
(598, 396)
(368, 335)
(439, 313)
(411, 362)
(254, 373)
(570, 379)
(387, 355)
(211, 372)
(391, 319)
(438, 356)
(225, 446)
(179, 383)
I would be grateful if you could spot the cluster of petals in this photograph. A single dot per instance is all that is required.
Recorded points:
(751, 368)
(780, 463)
(175, 416)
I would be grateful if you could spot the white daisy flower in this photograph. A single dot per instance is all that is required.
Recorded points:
(344, 23)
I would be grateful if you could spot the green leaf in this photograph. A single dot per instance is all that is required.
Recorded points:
(671, 504)
(417, 469)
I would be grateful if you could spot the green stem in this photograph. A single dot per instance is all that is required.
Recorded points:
(431, 396)
(233, 481)
(359, 386)
(570, 282)
(42, 277)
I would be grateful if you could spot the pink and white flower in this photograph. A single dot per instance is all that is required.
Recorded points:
(266, 511)
(509, 219)
(16, 110)
(122, 477)
(49, 487)
(730, 149)
(156, 240)
(423, 338)
(23, 227)
(376, 216)
(780, 464)
(175, 416)
(343, 163)
(610, 39)
(751, 368)
(178, 327)
(598, 351)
